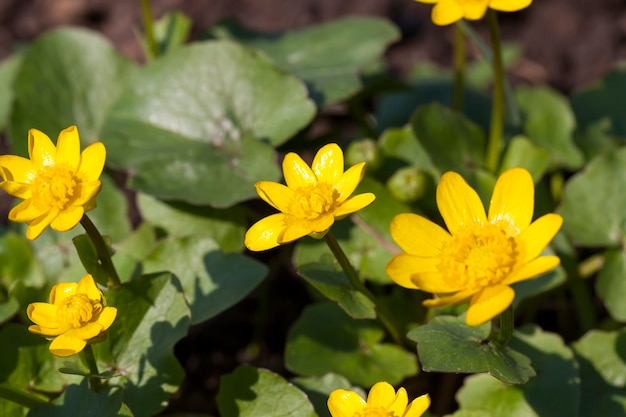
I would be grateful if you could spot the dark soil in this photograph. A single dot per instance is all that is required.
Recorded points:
(567, 44)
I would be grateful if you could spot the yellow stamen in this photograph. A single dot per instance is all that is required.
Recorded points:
(77, 310)
(313, 201)
(374, 412)
(54, 186)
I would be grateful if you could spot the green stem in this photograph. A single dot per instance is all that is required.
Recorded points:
(383, 314)
(504, 332)
(459, 68)
(497, 109)
(20, 397)
(149, 28)
(94, 380)
(556, 186)
(103, 251)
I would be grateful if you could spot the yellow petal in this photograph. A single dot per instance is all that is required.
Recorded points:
(297, 173)
(402, 268)
(354, 204)
(398, 406)
(418, 406)
(43, 314)
(68, 148)
(343, 403)
(25, 212)
(15, 168)
(68, 218)
(537, 236)
(450, 299)
(88, 331)
(17, 189)
(264, 234)
(107, 317)
(61, 291)
(446, 12)
(275, 194)
(64, 345)
(475, 10)
(509, 5)
(38, 225)
(349, 180)
(536, 267)
(434, 281)
(381, 395)
(328, 164)
(295, 231)
(513, 200)
(488, 303)
(417, 235)
(319, 225)
(87, 193)
(46, 331)
(87, 285)
(40, 148)
(458, 203)
(92, 162)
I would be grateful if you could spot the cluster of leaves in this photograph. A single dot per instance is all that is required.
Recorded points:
(198, 125)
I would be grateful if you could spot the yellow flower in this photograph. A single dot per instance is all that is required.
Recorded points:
(310, 202)
(382, 401)
(58, 184)
(482, 255)
(77, 313)
(446, 12)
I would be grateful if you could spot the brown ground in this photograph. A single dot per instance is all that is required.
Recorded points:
(567, 44)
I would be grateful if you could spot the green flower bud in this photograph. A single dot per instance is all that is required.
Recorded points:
(407, 184)
(364, 150)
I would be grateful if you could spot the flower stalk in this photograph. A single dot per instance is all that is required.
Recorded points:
(90, 359)
(497, 109)
(20, 397)
(148, 26)
(103, 251)
(502, 334)
(459, 68)
(383, 314)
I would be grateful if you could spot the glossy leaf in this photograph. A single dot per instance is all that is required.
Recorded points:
(597, 193)
(198, 125)
(521, 152)
(211, 280)
(8, 71)
(447, 344)
(328, 57)
(324, 339)
(18, 262)
(611, 284)
(252, 392)
(83, 76)
(557, 377)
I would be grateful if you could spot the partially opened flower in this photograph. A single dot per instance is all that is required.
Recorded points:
(480, 255)
(382, 401)
(58, 184)
(310, 202)
(446, 12)
(76, 314)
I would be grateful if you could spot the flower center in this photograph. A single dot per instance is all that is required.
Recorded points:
(54, 186)
(311, 202)
(77, 310)
(479, 255)
(373, 412)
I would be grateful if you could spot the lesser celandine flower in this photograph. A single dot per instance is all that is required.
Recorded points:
(310, 202)
(58, 184)
(446, 12)
(382, 401)
(76, 314)
(481, 255)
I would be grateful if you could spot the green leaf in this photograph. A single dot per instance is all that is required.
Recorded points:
(453, 142)
(328, 57)
(324, 339)
(471, 413)
(402, 144)
(18, 263)
(252, 392)
(447, 344)
(603, 101)
(171, 31)
(83, 76)
(152, 315)
(601, 358)
(611, 284)
(8, 72)
(328, 279)
(89, 258)
(212, 281)
(597, 193)
(540, 284)
(79, 400)
(318, 388)
(198, 125)
(549, 122)
(521, 152)
(182, 220)
(557, 377)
